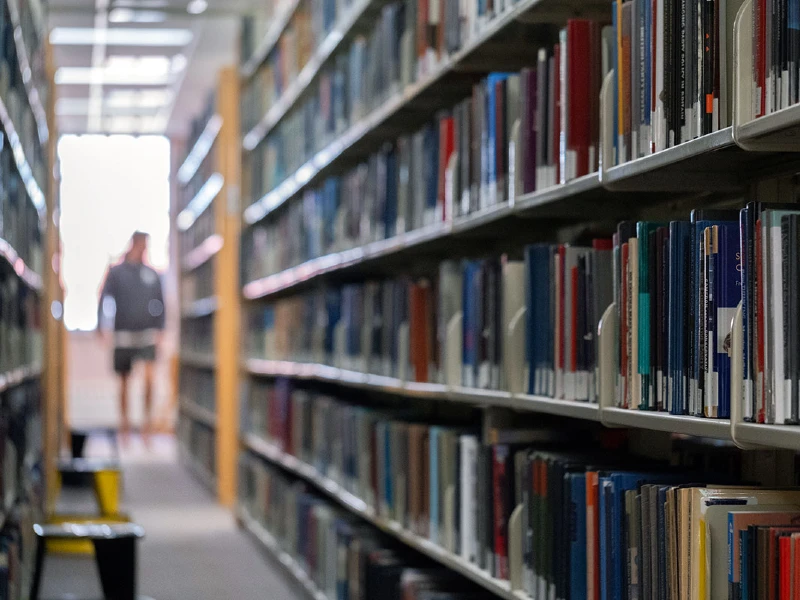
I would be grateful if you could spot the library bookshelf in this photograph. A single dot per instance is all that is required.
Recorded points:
(740, 160)
(209, 241)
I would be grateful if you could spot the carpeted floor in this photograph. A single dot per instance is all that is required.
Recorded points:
(193, 549)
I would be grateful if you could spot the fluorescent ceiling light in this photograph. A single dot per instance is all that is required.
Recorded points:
(91, 75)
(197, 7)
(119, 36)
(129, 15)
(142, 3)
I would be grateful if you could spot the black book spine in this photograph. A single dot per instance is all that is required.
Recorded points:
(709, 37)
(684, 35)
(793, 259)
(787, 292)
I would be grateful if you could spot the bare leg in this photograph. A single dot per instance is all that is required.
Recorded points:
(148, 400)
(125, 424)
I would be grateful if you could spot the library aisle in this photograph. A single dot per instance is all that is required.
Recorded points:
(193, 548)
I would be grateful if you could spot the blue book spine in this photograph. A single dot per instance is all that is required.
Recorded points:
(390, 213)
(605, 497)
(433, 470)
(577, 582)
(491, 101)
(744, 562)
(431, 166)
(643, 229)
(728, 298)
(548, 312)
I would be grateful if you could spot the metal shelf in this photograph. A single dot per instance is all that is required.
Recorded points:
(769, 436)
(198, 413)
(203, 253)
(269, 41)
(23, 165)
(197, 205)
(197, 360)
(32, 279)
(658, 421)
(269, 543)
(15, 377)
(338, 34)
(501, 589)
(563, 408)
(200, 150)
(39, 112)
(204, 307)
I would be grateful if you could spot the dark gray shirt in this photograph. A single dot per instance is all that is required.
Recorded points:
(139, 298)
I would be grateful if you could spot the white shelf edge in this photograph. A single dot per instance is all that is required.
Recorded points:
(200, 255)
(337, 261)
(198, 413)
(35, 193)
(200, 308)
(769, 436)
(350, 502)
(660, 421)
(201, 201)
(200, 150)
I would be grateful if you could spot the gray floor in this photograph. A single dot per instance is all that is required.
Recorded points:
(193, 549)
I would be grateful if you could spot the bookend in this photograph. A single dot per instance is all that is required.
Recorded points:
(775, 132)
(607, 361)
(737, 377)
(452, 351)
(515, 562)
(607, 155)
(514, 352)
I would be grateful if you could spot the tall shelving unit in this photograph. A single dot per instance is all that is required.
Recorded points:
(209, 249)
(712, 170)
(30, 290)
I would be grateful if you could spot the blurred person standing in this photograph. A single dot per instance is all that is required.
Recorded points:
(133, 297)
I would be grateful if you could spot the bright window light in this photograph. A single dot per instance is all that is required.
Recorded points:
(197, 7)
(119, 36)
(110, 186)
(129, 15)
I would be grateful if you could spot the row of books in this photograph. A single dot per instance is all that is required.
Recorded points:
(203, 227)
(674, 79)
(554, 105)
(402, 327)
(776, 56)
(344, 558)
(20, 225)
(198, 284)
(257, 23)
(197, 386)
(20, 322)
(595, 523)
(15, 96)
(307, 28)
(197, 335)
(197, 441)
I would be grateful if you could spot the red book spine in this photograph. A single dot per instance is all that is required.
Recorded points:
(422, 28)
(623, 326)
(288, 444)
(271, 417)
(796, 567)
(785, 574)
(419, 332)
(760, 323)
(557, 110)
(499, 482)
(579, 83)
(500, 144)
(573, 343)
(446, 148)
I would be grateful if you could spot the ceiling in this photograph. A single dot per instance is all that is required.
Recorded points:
(139, 66)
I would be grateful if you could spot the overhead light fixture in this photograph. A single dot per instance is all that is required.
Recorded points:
(129, 15)
(120, 36)
(197, 7)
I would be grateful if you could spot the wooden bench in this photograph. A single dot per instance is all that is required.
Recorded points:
(115, 554)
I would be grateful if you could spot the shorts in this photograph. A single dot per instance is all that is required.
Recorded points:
(124, 358)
